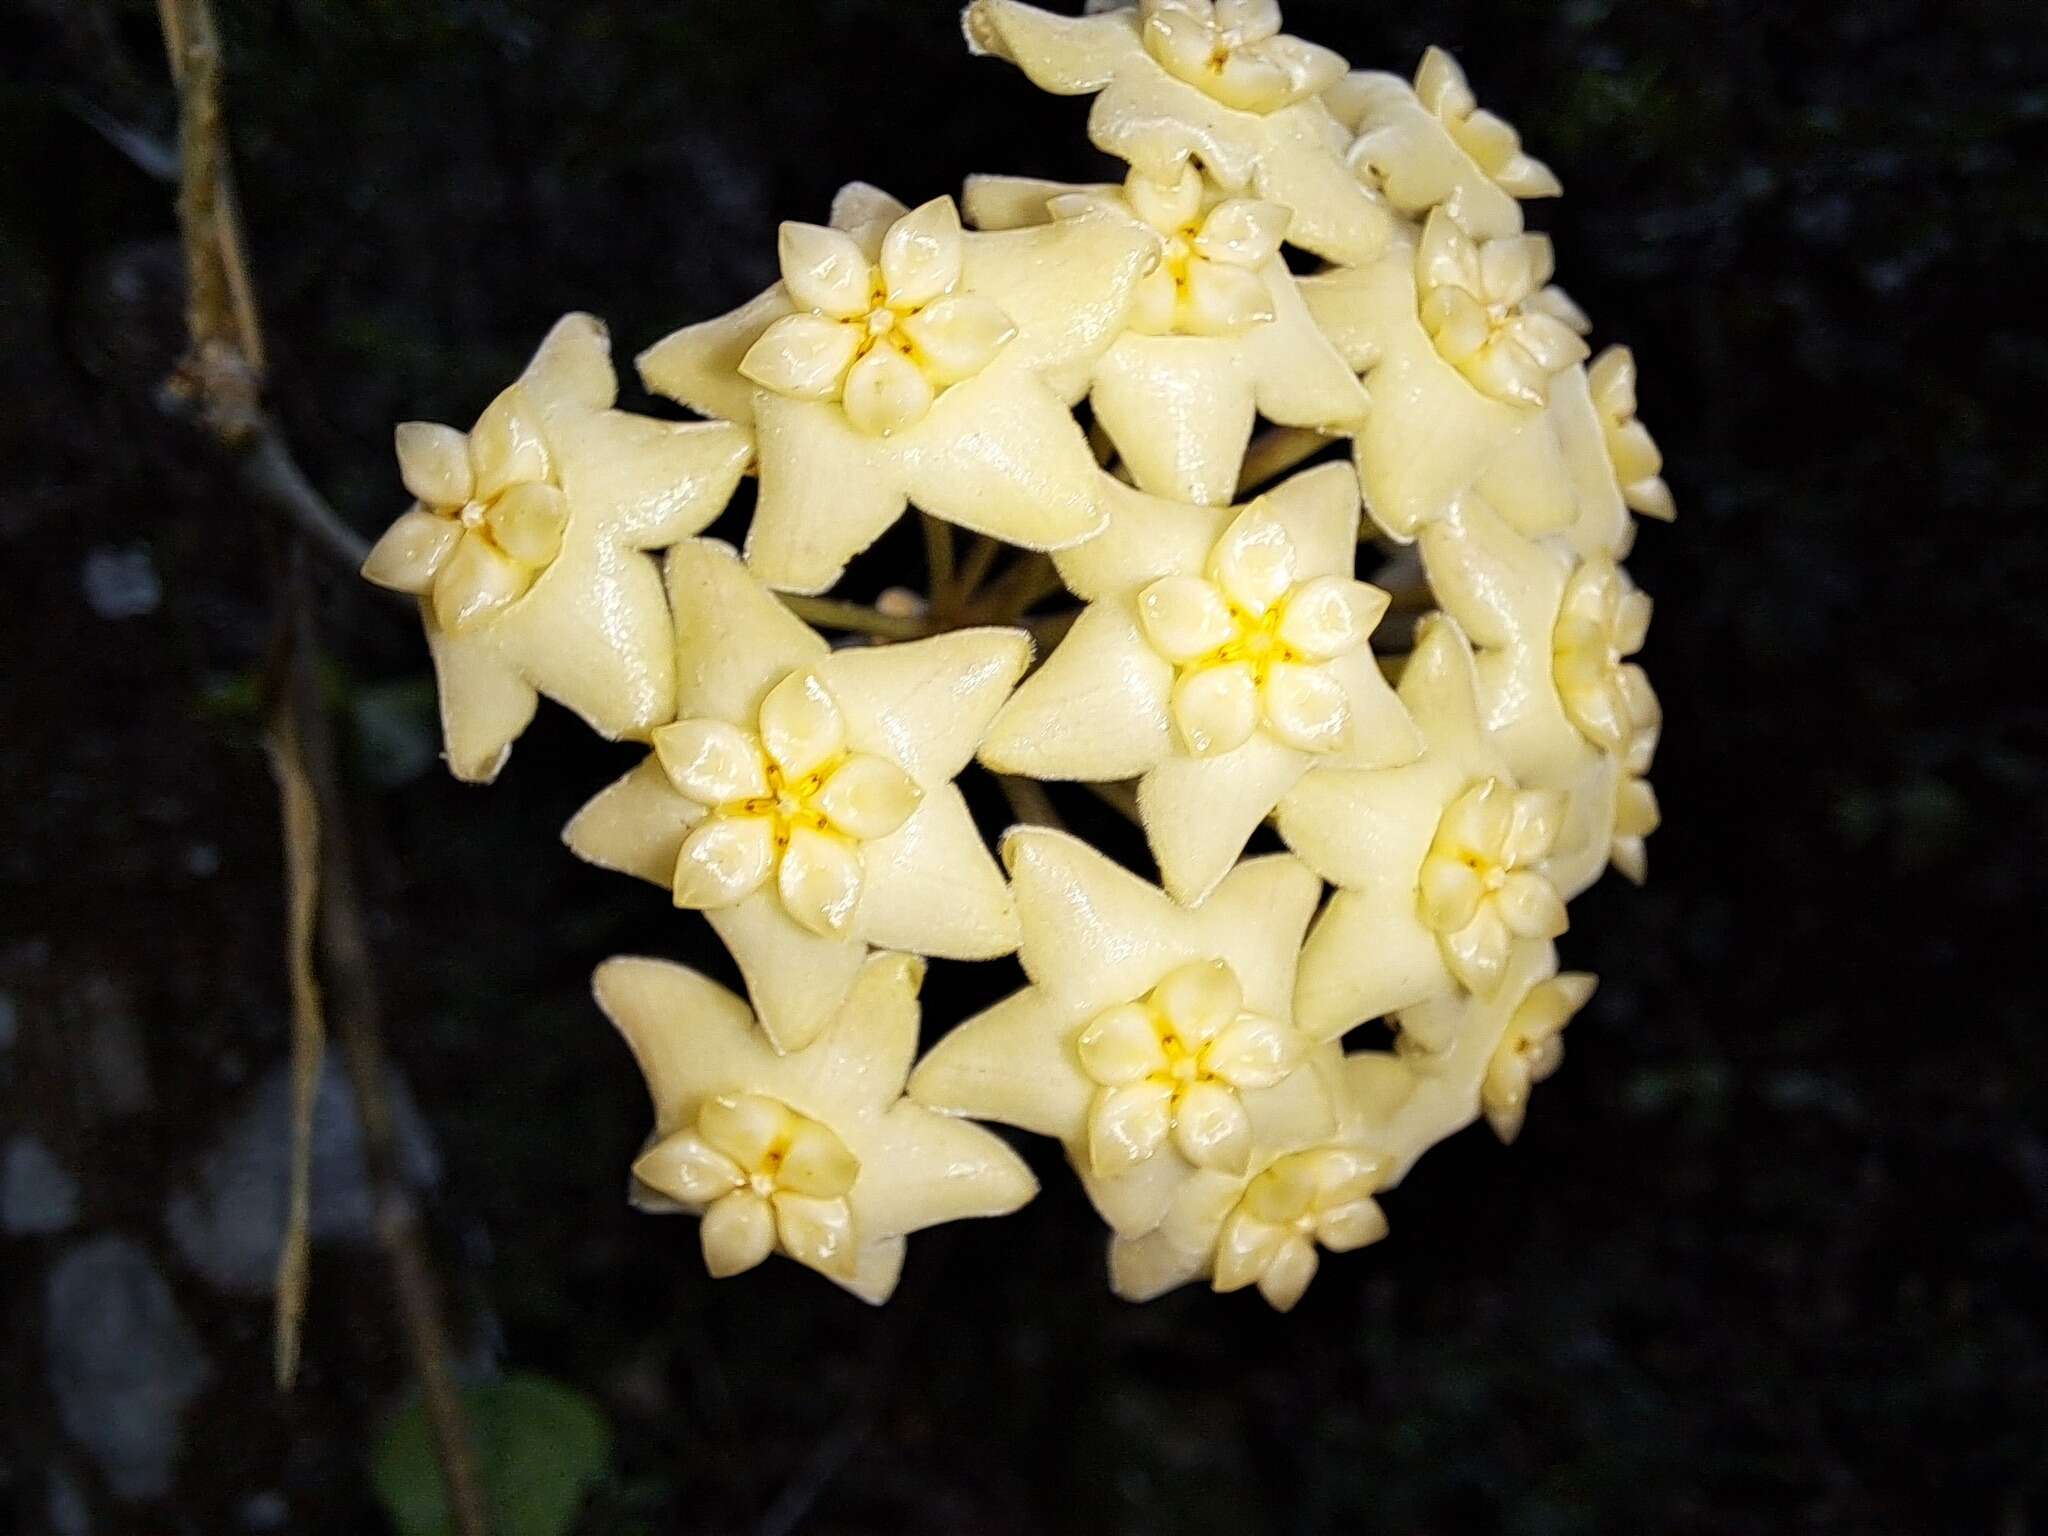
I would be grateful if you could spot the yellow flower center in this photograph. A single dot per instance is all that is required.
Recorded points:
(789, 804)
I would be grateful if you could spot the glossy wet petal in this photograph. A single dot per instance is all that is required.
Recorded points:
(1254, 562)
(1185, 617)
(805, 356)
(433, 461)
(1127, 1125)
(820, 880)
(959, 336)
(1211, 1128)
(527, 521)
(801, 725)
(723, 861)
(1120, 1046)
(711, 761)
(412, 551)
(886, 393)
(825, 270)
(475, 581)
(921, 254)
(868, 797)
(738, 1233)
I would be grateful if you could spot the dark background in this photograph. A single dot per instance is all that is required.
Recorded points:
(1769, 1256)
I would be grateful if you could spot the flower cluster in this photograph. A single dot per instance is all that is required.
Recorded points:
(1155, 600)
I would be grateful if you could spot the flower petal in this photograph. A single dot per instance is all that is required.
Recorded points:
(1215, 709)
(738, 1233)
(958, 336)
(1127, 1125)
(805, 356)
(801, 726)
(1211, 1129)
(1253, 1052)
(1287, 1277)
(1243, 232)
(1449, 893)
(476, 580)
(1254, 562)
(1120, 1046)
(1531, 907)
(820, 881)
(1331, 616)
(1344, 1228)
(1306, 707)
(687, 1168)
(723, 861)
(433, 461)
(746, 1127)
(1200, 1000)
(868, 797)
(1167, 206)
(1244, 1250)
(1477, 954)
(825, 270)
(885, 393)
(817, 1233)
(816, 1162)
(1185, 617)
(1283, 1193)
(527, 522)
(921, 254)
(711, 761)
(1223, 300)
(505, 446)
(412, 551)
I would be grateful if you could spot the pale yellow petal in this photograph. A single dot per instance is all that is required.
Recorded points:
(711, 761)
(921, 254)
(959, 336)
(824, 270)
(886, 393)
(687, 1169)
(816, 1233)
(527, 522)
(1211, 1128)
(738, 1233)
(1215, 708)
(802, 728)
(1200, 1000)
(433, 461)
(476, 581)
(819, 880)
(805, 356)
(868, 797)
(412, 550)
(1185, 617)
(722, 861)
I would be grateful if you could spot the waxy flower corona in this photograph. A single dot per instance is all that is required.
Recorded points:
(1376, 721)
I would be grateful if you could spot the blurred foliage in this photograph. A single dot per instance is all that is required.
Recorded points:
(1770, 1252)
(539, 1447)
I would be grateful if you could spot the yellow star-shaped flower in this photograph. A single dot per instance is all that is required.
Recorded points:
(803, 799)
(1460, 1056)
(1223, 653)
(1211, 80)
(1155, 1040)
(815, 1154)
(525, 545)
(1439, 863)
(1460, 346)
(1431, 144)
(902, 360)
(1218, 334)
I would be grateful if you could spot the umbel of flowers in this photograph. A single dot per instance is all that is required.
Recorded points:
(1377, 721)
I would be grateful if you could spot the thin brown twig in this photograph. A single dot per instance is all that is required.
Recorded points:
(938, 561)
(221, 376)
(1010, 596)
(981, 555)
(1029, 802)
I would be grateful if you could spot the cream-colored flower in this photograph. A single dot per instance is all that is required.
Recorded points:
(903, 360)
(1486, 306)
(1636, 814)
(815, 1154)
(1630, 448)
(1218, 332)
(1459, 1056)
(1438, 863)
(1554, 633)
(1503, 450)
(1263, 1225)
(1223, 653)
(1155, 1039)
(804, 798)
(524, 545)
(1211, 80)
(1431, 143)
(885, 337)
